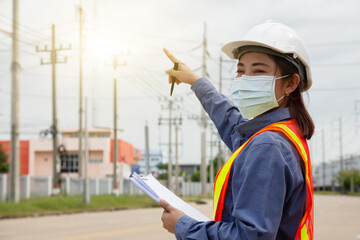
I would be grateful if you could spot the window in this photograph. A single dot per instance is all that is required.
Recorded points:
(69, 163)
(103, 135)
(74, 135)
(95, 160)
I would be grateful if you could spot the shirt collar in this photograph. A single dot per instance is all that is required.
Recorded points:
(249, 128)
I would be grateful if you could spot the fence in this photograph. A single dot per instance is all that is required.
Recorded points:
(31, 186)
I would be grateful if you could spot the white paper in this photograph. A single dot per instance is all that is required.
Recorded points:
(154, 188)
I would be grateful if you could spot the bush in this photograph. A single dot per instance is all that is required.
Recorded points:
(195, 177)
(4, 166)
(347, 178)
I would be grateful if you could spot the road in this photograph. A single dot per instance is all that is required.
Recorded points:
(336, 217)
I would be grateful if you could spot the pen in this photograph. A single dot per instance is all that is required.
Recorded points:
(173, 79)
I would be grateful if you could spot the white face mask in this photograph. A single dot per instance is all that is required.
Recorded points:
(254, 95)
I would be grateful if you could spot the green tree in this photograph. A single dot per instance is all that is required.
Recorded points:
(163, 166)
(347, 178)
(4, 166)
(195, 177)
(215, 164)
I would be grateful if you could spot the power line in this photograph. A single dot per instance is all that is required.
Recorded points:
(335, 64)
(76, 98)
(35, 33)
(163, 88)
(334, 43)
(356, 88)
(147, 35)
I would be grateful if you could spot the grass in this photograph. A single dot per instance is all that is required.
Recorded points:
(197, 199)
(337, 193)
(70, 204)
(326, 193)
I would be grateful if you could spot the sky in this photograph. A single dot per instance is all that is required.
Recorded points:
(137, 31)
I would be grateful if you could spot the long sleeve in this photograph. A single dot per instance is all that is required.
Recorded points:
(221, 110)
(262, 180)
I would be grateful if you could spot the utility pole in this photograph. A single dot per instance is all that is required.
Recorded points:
(173, 104)
(15, 66)
(219, 162)
(176, 161)
(221, 78)
(212, 158)
(115, 65)
(357, 113)
(95, 78)
(54, 127)
(332, 176)
(352, 174)
(341, 158)
(323, 158)
(115, 141)
(147, 148)
(220, 73)
(169, 152)
(86, 196)
(80, 92)
(203, 123)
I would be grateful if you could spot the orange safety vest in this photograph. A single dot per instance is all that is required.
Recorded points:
(291, 131)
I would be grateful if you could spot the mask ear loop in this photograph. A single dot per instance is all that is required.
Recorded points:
(285, 94)
(285, 76)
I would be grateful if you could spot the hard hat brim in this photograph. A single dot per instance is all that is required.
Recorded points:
(229, 48)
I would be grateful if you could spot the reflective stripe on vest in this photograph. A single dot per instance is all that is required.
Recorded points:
(291, 131)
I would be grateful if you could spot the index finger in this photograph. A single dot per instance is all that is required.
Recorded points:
(170, 56)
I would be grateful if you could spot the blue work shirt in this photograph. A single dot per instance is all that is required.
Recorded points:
(265, 197)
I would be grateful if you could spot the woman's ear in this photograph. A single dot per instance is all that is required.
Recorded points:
(291, 83)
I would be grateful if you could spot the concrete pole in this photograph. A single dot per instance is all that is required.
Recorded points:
(352, 174)
(14, 152)
(54, 129)
(219, 163)
(342, 188)
(115, 140)
(95, 71)
(176, 161)
(203, 164)
(203, 123)
(332, 176)
(86, 196)
(169, 153)
(211, 160)
(80, 95)
(147, 149)
(54, 126)
(323, 158)
(115, 145)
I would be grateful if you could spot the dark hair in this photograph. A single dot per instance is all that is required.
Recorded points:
(295, 100)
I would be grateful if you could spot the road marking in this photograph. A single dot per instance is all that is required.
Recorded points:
(102, 234)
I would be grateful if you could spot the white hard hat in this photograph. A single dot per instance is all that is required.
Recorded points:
(280, 39)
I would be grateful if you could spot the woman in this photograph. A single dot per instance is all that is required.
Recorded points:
(264, 191)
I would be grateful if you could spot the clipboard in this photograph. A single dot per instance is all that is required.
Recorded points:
(155, 190)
